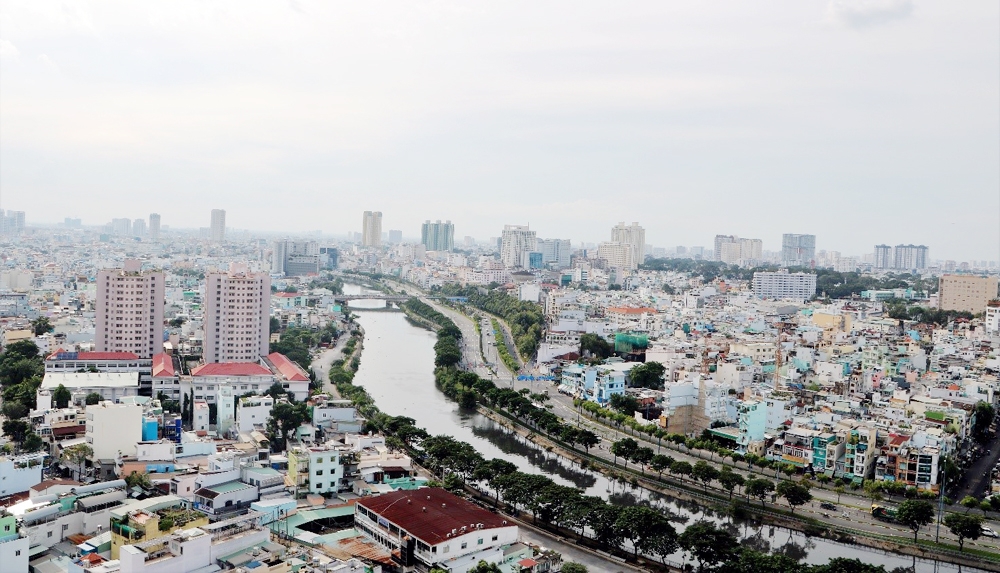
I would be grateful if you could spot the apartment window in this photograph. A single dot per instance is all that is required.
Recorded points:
(464, 545)
(479, 542)
(494, 538)
(319, 486)
(319, 472)
(319, 460)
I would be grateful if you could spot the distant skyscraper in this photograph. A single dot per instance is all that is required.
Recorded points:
(618, 255)
(514, 242)
(798, 250)
(371, 234)
(295, 258)
(721, 240)
(237, 318)
(139, 228)
(634, 236)
(129, 314)
(154, 226)
(555, 252)
(218, 231)
(734, 250)
(910, 257)
(11, 224)
(883, 257)
(438, 236)
(395, 236)
(72, 223)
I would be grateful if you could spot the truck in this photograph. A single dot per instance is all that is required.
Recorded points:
(883, 513)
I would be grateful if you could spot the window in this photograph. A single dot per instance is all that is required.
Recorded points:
(479, 542)
(319, 486)
(447, 548)
(50, 534)
(319, 460)
(494, 538)
(319, 472)
(464, 545)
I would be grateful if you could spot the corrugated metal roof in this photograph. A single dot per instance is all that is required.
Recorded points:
(430, 514)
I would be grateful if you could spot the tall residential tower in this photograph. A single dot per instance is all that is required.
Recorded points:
(371, 233)
(438, 236)
(218, 225)
(237, 319)
(129, 310)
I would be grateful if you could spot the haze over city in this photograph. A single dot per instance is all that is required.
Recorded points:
(859, 122)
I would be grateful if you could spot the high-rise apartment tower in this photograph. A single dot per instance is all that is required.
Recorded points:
(371, 234)
(438, 236)
(798, 250)
(154, 226)
(218, 225)
(129, 310)
(237, 319)
(634, 236)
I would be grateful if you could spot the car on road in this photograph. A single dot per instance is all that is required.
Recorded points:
(828, 505)
(987, 532)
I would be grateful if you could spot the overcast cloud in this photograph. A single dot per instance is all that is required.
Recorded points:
(860, 121)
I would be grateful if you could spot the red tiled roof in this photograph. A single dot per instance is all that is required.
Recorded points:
(163, 365)
(98, 355)
(286, 294)
(288, 369)
(230, 369)
(430, 514)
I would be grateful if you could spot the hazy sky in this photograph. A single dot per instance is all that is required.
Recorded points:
(859, 121)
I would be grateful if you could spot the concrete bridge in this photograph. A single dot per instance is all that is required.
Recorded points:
(371, 296)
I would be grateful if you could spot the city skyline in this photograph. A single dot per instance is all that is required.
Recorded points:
(880, 126)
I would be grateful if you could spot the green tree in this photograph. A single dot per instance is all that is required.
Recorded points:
(624, 448)
(641, 524)
(915, 513)
(285, 418)
(844, 565)
(795, 494)
(759, 488)
(708, 544)
(78, 455)
(969, 503)
(648, 375)
(705, 473)
(61, 396)
(596, 346)
(624, 403)
(730, 480)
(94, 398)
(681, 468)
(276, 391)
(660, 462)
(839, 490)
(643, 456)
(14, 410)
(16, 430)
(32, 442)
(41, 325)
(964, 527)
(983, 414)
(573, 567)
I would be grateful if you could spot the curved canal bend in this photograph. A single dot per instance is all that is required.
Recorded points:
(397, 363)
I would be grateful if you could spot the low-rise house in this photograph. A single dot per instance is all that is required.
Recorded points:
(431, 527)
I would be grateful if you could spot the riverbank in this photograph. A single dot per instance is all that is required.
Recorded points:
(398, 376)
(807, 526)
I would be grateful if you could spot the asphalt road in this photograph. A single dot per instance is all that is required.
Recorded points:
(976, 480)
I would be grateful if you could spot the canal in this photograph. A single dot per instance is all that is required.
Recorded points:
(397, 364)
